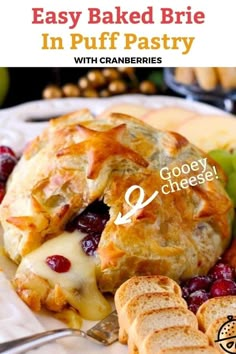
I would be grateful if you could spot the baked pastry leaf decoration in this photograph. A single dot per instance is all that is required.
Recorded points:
(110, 255)
(100, 146)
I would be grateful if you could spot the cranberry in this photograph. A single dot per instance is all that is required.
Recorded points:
(221, 271)
(223, 287)
(92, 220)
(198, 297)
(7, 150)
(2, 191)
(7, 163)
(90, 243)
(58, 263)
(199, 283)
(193, 308)
(185, 292)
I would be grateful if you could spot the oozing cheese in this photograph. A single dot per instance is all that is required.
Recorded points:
(79, 283)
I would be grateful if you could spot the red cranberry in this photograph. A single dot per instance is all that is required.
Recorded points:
(58, 263)
(193, 308)
(198, 297)
(7, 163)
(199, 283)
(7, 150)
(223, 287)
(221, 271)
(185, 292)
(90, 243)
(92, 220)
(2, 191)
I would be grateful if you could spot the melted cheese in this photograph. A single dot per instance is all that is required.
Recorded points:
(79, 283)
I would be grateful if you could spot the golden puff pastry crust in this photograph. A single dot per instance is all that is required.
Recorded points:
(79, 159)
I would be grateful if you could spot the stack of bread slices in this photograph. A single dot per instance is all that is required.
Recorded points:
(154, 318)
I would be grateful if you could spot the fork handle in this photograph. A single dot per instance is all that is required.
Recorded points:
(21, 345)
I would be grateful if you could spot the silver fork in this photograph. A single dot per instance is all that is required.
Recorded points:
(104, 332)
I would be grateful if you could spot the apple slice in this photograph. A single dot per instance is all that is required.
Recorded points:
(134, 110)
(210, 132)
(168, 118)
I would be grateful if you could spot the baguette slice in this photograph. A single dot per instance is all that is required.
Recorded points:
(184, 75)
(214, 332)
(144, 284)
(207, 78)
(141, 303)
(227, 77)
(173, 337)
(215, 308)
(189, 350)
(148, 321)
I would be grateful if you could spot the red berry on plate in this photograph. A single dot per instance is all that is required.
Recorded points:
(221, 271)
(193, 308)
(198, 297)
(90, 243)
(92, 220)
(185, 292)
(223, 287)
(7, 163)
(58, 263)
(7, 150)
(2, 191)
(199, 283)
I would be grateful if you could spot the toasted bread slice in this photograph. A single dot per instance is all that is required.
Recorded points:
(215, 308)
(148, 321)
(144, 284)
(143, 302)
(173, 337)
(189, 350)
(207, 78)
(184, 75)
(227, 78)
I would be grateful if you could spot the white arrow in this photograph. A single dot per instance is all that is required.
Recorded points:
(140, 204)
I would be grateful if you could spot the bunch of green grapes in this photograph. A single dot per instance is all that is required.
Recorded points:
(227, 160)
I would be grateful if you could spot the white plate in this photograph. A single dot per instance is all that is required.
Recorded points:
(16, 132)
(15, 318)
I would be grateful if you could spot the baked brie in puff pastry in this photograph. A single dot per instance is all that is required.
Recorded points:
(63, 198)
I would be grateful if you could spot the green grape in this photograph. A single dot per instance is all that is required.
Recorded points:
(224, 159)
(234, 160)
(231, 187)
(4, 83)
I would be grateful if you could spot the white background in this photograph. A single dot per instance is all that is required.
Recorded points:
(21, 41)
